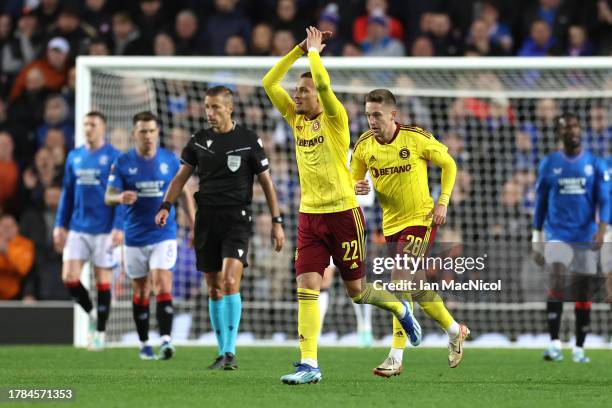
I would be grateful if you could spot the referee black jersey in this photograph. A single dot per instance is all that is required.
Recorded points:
(226, 164)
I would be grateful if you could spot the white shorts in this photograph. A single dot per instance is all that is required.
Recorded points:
(88, 247)
(140, 260)
(606, 252)
(576, 260)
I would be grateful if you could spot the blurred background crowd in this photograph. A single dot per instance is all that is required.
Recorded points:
(40, 39)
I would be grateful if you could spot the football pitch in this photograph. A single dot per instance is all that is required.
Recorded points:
(486, 378)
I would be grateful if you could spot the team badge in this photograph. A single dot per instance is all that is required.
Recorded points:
(233, 162)
(103, 160)
(316, 126)
(132, 170)
(208, 142)
(404, 153)
(163, 168)
(77, 160)
(588, 170)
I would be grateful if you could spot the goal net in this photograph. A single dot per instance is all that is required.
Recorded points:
(495, 116)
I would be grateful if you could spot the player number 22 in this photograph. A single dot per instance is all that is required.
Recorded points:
(347, 245)
(413, 245)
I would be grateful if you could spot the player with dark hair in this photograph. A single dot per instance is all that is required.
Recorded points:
(396, 156)
(572, 187)
(85, 228)
(330, 222)
(226, 157)
(139, 178)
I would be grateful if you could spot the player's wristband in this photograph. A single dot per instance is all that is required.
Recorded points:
(278, 220)
(315, 49)
(165, 205)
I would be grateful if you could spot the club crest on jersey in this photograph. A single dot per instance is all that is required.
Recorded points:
(133, 170)
(233, 162)
(164, 168)
(588, 170)
(103, 160)
(404, 153)
(316, 126)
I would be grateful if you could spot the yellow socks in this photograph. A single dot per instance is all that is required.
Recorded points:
(379, 298)
(309, 322)
(433, 305)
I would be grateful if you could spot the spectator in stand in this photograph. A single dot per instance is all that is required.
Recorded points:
(17, 49)
(540, 41)
(178, 140)
(68, 91)
(151, 18)
(329, 20)
(422, 47)
(125, 36)
(16, 258)
(499, 32)
(601, 31)
(510, 222)
(97, 13)
(351, 49)
(261, 41)
(287, 18)
(44, 281)
(235, 46)
(187, 35)
(598, 135)
(480, 40)
(378, 42)
(163, 45)
(557, 14)
(578, 42)
(9, 171)
(445, 41)
(43, 174)
(26, 113)
(70, 27)
(98, 47)
(525, 154)
(282, 42)
(54, 67)
(542, 130)
(56, 116)
(46, 13)
(227, 21)
(55, 141)
(360, 26)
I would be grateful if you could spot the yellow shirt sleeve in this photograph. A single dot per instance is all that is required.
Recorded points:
(437, 153)
(331, 105)
(272, 84)
(358, 165)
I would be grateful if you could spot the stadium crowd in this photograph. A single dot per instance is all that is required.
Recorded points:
(39, 40)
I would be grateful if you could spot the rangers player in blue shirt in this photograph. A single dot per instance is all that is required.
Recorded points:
(573, 186)
(139, 179)
(86, 229)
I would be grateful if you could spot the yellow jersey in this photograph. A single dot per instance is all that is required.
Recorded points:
(321, 143)
(398, 170)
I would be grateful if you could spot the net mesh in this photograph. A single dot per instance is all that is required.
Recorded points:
(497, 124)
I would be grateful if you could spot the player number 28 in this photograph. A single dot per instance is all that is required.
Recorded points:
(413, 245)
(347, 245)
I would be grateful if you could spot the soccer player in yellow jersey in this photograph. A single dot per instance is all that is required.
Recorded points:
(330, 220)
(396, 156)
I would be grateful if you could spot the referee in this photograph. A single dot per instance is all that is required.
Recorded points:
(226, 156)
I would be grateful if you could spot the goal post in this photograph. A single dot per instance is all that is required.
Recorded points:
(494, 114)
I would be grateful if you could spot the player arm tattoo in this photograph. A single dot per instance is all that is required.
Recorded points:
(265, 180)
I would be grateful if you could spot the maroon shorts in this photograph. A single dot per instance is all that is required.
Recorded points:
(340, 235)
(415, 240)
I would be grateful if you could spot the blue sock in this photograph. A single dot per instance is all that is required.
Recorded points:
(233, 310)
(215, 310)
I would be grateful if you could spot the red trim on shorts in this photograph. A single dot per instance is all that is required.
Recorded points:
(103, 287)
(163, 297)
(583, 305)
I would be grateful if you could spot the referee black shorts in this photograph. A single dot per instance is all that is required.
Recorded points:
(221, 232)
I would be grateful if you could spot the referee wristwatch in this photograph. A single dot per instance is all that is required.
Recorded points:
(278, 220)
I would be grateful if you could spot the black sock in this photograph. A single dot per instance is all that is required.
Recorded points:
(165, 313)
(141, 317)
(80, 295)
(554, 310)
(583, 321)
(104, 303)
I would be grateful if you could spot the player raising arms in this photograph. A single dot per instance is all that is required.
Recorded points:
(410, 218)
(139, 178)
(227, 157)
(330, 221)
(572, 187)
(85, 228)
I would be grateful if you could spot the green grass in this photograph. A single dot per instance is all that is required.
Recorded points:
(486, 378)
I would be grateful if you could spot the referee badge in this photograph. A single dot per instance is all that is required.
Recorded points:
(233, 163)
